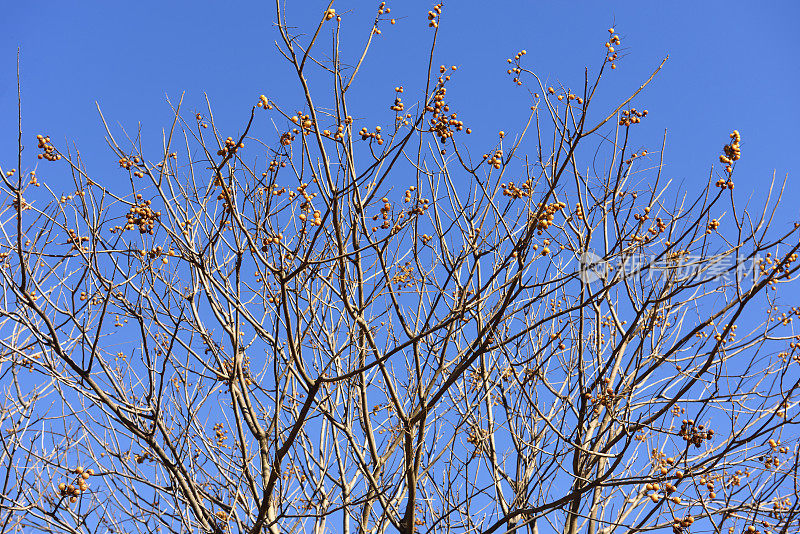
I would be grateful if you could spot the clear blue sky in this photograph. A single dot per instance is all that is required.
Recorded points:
(732, 65)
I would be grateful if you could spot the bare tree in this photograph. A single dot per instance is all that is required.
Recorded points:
(376, 330)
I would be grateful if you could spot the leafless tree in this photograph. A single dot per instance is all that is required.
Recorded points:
(377, 330)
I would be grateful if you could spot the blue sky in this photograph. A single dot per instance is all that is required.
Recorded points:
(732, 65)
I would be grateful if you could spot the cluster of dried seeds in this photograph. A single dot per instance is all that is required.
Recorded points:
(48, 150)
(230, 147)
(516, 70)
(693, 433)
(632, 116)
(263, 102)
(142, 216)
(543, 218)
(434, 15)
(732, 151)
(79, 486)
(366, 134)
(613, 41)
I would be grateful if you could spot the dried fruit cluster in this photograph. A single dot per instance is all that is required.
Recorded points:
(694, 434)
(49, 151)
(433, 16)
(77, 241)
(632, 116)
(230, 147)
(732, 151)
(142, 216)
(516, 70)
(546, 216)
(366, 134)
(613, 41)
(263, 102)
(514, 192)
(79, 486)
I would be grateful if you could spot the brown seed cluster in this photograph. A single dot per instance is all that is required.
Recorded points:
(157, 252)
(731, 152)
(775, 446)
(76, 241)
(330, 14)
(612, 54)
(780, 505)
(78, 486)
(15, 202)
(709, 486)
(199, 118)
(274, 165)
(271, 240)
(141, 458)
(404, 276)
(227, 204)
(655, 488)
(307, 208)
(338, 135)
(660, 225)
(771, 264)
(422, 205)
(515, 192)
(731, 336)
(606, 397)
(230, 147)
(286, 139)
(724, 184)
(48, 150)
(304, 121)
(142, 216)
(443, 123)
(516, 70)
(568, 95)
(679, 525)
(366, 134)
(735, 479)
(434, 16)
(632, 116)
(547, 215)
(279, 191)
(220, 435)
(771, 460)
(477, 438)
(694, 434)
(496, 160)
(293, 471)
(263, 102)
(386, 212)
(411, 189)
(128, 162)
(398, 102)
